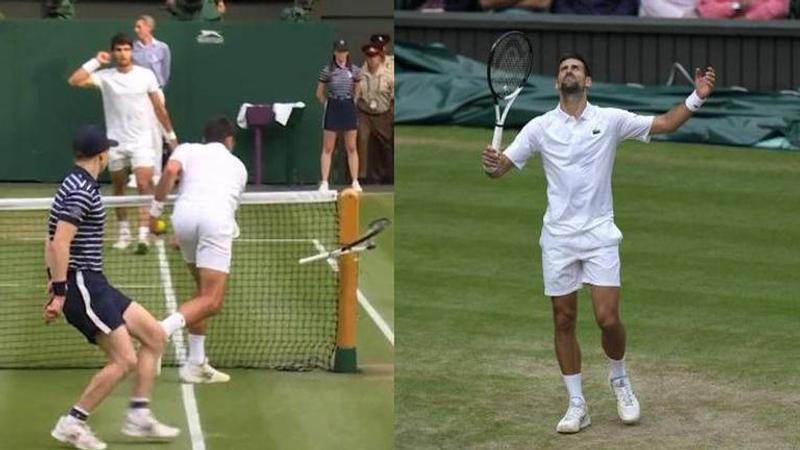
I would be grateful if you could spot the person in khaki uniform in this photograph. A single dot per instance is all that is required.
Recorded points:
(376, 118)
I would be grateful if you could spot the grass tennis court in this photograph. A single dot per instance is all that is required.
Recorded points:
(709, 298)
(259, 408)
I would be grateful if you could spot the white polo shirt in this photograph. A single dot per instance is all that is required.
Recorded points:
(127, 106)
(212, 178)
(578, 158)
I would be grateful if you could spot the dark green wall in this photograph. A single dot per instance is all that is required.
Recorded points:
(261, 62)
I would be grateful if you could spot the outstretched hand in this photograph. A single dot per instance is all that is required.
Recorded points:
(704, 81)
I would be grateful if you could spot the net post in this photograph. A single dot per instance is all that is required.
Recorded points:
(345, 359)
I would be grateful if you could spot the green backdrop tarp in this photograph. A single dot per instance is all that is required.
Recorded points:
(434, 86)
(257, 63)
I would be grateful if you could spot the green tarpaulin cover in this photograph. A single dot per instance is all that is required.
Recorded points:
(434, 86)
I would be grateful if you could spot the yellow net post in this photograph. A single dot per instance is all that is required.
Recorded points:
(345, 359)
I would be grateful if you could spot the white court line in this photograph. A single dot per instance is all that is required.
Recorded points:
(376, 317)
(362, 300)
(187, 389)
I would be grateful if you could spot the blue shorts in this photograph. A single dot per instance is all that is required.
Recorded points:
(92, 305)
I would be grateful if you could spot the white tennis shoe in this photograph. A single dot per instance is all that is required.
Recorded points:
(202, 373)
(356, 186)
(142, 424)
(576, 418)
(323, 186)
(76, 433)
(123, 242)
(627, 404)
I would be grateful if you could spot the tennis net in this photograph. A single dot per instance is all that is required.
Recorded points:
(276, 313)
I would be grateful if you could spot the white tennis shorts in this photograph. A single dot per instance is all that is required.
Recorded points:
(122, 157)
(206, 238)
(591, 257)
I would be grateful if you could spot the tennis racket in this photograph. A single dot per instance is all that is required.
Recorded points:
(364, 242)
(510, 63)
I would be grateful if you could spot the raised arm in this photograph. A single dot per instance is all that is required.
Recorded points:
(677, 116)
(82, 77)
(57, 257)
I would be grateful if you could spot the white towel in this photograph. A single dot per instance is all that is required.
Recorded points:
(282, 112)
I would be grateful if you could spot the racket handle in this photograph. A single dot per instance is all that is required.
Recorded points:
(497, 139)
(309, 259)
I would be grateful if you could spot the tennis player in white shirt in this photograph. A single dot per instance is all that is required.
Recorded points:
(130, 96)
(577, 142)
(204, 219)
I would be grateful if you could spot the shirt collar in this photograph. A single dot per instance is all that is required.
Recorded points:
(85, 174)
(588, 112)
(140, 43)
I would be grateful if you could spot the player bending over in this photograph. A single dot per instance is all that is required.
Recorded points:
(204, 219)
(577, 142)
(130, 96)
(104, 315)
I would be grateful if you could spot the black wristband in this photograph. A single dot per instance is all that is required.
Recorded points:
(59, 288)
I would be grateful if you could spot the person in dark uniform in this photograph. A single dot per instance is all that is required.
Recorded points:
(338, 90)
(104, 315)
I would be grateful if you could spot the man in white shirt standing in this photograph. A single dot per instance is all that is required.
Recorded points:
(204, 219)
(577, 142)
(130, 96)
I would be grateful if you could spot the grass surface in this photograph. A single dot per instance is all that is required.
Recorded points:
(709, 300)
(259, 408)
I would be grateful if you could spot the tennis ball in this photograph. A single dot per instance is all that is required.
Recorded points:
(160, 226)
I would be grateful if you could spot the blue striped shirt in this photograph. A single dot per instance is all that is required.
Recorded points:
(78, 202)
(340, 80)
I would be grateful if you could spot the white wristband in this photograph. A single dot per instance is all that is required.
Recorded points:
(91, 65)
(694, 102)
(156, 208)
(171, 136)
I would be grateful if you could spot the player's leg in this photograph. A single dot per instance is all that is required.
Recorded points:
(118, 177)
(197, 330)
(352, 156)
(602, 272)
(143, 169)
(140, 421)
(197, 313)
(561, 272)
(328, 143)
(72, 428)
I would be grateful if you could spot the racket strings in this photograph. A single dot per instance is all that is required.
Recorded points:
(510, 64)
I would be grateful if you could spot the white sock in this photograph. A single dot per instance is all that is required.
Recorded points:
(124, 228)
(616, 368)
(197, 349)
(143, 232)
(573, 383)
(173, 323)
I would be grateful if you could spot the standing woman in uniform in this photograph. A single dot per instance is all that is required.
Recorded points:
(340, 79)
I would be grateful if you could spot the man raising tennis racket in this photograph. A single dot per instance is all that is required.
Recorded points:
(580, 242)
(212, 181)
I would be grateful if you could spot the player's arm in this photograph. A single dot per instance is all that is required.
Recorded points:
(57, 251)
(495, 164)
(677, 116)
(165, 185)
(82, 77)
(163, 117)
